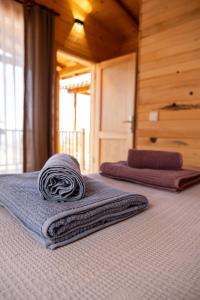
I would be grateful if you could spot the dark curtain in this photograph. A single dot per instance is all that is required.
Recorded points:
(39, 100)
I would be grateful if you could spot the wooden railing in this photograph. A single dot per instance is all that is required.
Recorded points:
(11, 150)
(73, 143)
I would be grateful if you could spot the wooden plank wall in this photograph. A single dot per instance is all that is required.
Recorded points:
(169, 78)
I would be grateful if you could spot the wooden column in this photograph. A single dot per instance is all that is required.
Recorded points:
(57, 103)
(75, 100)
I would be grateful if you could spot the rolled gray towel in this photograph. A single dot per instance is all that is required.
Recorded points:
(60, 179)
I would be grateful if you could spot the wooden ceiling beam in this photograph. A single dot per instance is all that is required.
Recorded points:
(128, 12)
(80, 90)
(76, 59)
(73, 71)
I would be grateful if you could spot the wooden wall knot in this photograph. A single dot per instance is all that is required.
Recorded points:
(153, 139)
(174, 107)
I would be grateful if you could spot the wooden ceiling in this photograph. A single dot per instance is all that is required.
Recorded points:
(69, 66)
(110, 27)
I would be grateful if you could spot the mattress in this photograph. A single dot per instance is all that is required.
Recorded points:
(155, 255)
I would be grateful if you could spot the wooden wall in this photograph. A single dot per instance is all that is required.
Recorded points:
(169, 77)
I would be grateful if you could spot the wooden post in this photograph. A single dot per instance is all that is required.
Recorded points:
(57, 103)
(75, 97)
(83, 149)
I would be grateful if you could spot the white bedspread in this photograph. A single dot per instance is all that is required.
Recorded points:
(155, 255)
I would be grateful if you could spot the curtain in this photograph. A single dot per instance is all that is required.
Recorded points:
(11, 85)
(39, 99)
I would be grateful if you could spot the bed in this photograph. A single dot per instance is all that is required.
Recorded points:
(155, 255)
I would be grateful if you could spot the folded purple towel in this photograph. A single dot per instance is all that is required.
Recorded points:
(172, 180)
(160, 160)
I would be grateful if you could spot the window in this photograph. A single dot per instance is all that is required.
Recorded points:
(11, 86)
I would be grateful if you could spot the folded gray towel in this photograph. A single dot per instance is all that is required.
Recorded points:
(56, 224)
(60, 179)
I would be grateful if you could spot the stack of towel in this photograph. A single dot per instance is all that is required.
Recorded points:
(58, 205)
(158, 169)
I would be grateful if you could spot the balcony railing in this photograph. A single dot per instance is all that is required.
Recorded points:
(11, 150)
(73, 143)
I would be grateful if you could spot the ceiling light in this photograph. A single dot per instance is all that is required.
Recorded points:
(79, 22)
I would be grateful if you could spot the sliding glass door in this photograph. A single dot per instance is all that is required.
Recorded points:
(11, 86)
